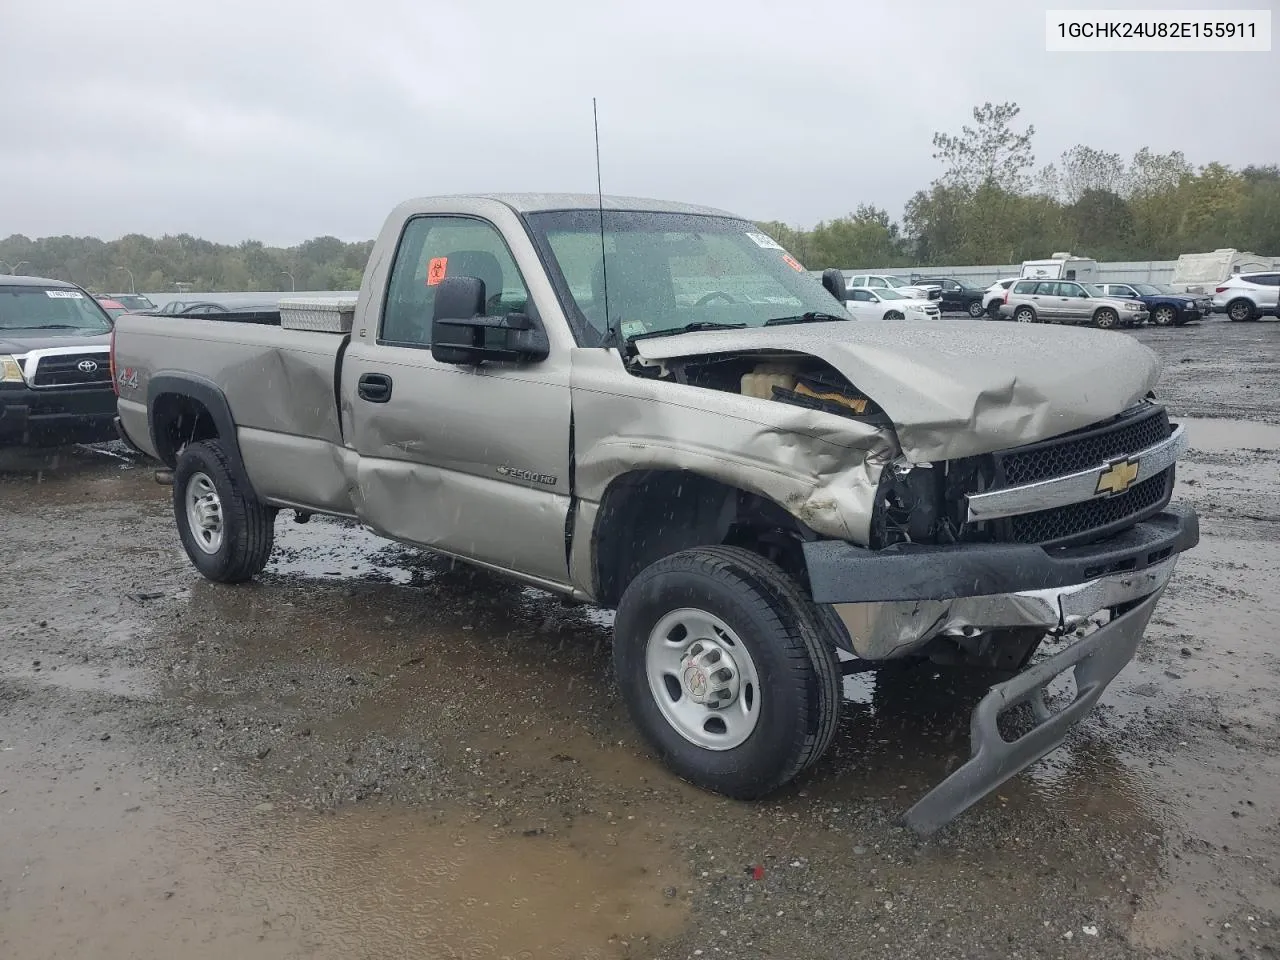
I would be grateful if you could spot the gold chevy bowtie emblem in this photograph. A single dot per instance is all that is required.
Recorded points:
(1117, 477)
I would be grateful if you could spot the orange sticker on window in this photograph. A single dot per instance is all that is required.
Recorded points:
(437, 267)
(792, 262)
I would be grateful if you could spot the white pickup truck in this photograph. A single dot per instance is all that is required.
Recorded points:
(652, 407)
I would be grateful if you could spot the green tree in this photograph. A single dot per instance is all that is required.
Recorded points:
(989, 154)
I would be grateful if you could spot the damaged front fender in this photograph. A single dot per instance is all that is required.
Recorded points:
(822, 468)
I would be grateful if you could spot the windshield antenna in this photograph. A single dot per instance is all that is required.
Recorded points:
(610, 338)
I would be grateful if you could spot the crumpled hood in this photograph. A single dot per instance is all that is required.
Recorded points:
(955, 390)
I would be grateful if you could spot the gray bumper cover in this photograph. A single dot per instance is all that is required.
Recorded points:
(1096, 660)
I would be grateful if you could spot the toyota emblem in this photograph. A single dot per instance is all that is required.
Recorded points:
(87, 366)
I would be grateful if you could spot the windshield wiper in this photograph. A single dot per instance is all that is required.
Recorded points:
(812, 316)
(688, 328)
(50, 326)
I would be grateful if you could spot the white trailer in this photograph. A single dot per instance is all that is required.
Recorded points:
(1201, 272)
(1061, 266)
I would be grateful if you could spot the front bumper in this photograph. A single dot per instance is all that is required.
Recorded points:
(893, 602)
(50, 416)
(1095, 660)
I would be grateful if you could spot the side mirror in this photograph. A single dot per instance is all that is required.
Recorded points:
(462, 334)
(833, 280)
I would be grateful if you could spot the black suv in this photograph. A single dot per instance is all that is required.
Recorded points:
(957, 296)
(55, 365)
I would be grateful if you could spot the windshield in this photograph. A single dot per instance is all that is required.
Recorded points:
(886, 294)
(895, 282)
(665, 271)
(1151, 289)
(134, 301)
(51, 308)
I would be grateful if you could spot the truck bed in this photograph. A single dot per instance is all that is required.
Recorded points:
(280, 384)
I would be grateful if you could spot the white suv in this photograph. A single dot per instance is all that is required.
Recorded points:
(993, 297)
(1248, 296)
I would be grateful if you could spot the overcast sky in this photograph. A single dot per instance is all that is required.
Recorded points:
(282, 120)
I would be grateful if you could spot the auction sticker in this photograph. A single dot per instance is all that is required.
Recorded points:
(764, 240)
(64, 294)
(437, 267)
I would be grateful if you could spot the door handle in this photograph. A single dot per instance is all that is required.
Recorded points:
(374, 387)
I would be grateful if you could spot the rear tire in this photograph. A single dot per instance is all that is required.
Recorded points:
(1106, 319)
(227, 532)
(713, 609)
(1238, 311)
(1025, 315)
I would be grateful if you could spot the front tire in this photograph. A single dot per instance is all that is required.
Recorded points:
(1106, 319)
(1164, 316)
(728, 669)
(227, 532)
(892, 315)
(975, 309)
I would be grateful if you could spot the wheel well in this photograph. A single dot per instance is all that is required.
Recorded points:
(650, 514)
(1027, 307)
(178, 420)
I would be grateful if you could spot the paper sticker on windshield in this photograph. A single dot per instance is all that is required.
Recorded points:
(437, 267)
(792, 262)
(762, 240)
(64, 294)
(632, 328)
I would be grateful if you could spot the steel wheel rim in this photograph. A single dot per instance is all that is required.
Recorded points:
(687, 656)
(204, 513)
(1163, 317)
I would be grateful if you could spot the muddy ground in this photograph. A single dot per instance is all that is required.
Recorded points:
(372, 754)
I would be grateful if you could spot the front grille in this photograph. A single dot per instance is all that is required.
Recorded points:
(1086, 449)
(63, 370)
(1082, 450)
(1091, 519)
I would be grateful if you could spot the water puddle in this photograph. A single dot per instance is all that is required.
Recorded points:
(81, 678)
(1220, 435)
(398, 884)
(333, 549)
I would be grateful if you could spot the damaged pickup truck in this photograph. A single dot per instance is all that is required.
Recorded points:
(652, 407)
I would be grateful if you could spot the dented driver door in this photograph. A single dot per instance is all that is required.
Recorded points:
(470, 460)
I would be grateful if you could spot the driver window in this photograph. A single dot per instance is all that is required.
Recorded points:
(433, 248)
(863, 295)
(878, 283)
(1071, 290)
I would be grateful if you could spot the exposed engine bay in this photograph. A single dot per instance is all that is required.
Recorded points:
(787, 378)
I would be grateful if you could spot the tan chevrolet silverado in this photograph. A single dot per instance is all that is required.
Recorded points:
(653, 407)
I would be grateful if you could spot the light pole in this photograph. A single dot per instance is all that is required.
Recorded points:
(133, 290)
(13, 270)
(293, 284)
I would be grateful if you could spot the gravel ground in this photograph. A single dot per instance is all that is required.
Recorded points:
(372, 753)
